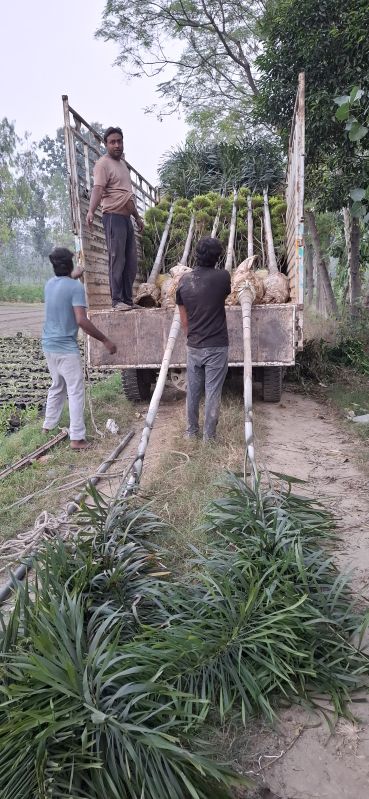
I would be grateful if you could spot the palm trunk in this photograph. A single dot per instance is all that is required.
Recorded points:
(331, 303)
(159, 256)
(250, 228)
(272, 261)
(232, 233)
(187, 247)
(216, 223)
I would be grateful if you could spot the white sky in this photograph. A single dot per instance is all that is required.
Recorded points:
(48, 49)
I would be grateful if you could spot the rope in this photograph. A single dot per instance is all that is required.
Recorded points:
(46, 527)
(88, 389)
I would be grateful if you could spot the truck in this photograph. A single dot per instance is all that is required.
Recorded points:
(141, 334)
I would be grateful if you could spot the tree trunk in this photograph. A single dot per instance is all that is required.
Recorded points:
(232, 233)
(354, 267)
(309, 271)
(250, 228)
(331, 304)
(352, 238)
(159, 257)
(187, 247)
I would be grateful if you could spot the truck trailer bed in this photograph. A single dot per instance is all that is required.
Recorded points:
(141, 336)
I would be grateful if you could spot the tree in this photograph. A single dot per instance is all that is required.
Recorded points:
(14, 192)
(199, 168)
(203, 49)
(326, 39)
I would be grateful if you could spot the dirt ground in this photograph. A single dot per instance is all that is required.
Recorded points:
(21, 317)
(301, 759)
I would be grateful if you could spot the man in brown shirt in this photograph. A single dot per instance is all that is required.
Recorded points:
(113, 189)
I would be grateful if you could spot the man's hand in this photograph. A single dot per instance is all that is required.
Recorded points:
(77, 272)
(110, 346)
(140, 224)
(90, 218)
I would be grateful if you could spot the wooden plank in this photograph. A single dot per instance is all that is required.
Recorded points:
(141, 336)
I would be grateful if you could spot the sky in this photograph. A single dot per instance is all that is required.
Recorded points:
(48, 49)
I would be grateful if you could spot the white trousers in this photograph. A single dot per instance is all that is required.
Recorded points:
(67, 376)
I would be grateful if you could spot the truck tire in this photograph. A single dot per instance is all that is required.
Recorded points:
(137, 384)
(272, 383)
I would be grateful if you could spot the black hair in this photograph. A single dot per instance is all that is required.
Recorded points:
(62, 261)
(208, 252)
(109, 131)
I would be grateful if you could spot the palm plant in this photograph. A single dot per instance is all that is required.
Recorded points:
(199, 168)
(109, 665)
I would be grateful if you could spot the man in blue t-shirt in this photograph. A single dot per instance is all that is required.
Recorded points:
(65, 312)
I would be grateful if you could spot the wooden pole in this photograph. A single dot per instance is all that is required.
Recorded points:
(136, 470)
(247, 295)
(129, 485)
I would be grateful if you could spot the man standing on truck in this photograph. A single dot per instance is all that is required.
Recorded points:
(201, 296)
(65, 312)
(113, 188)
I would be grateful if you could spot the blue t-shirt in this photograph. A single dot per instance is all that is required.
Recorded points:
(62, 295)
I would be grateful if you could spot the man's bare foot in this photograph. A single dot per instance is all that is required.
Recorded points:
(45, 430)
(82, 444)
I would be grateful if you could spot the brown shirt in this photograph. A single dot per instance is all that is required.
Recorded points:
(113, 176)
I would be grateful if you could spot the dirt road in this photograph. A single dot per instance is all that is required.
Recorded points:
(20, 317)
(301, 759)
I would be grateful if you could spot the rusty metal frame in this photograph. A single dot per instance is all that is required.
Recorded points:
(81, 155)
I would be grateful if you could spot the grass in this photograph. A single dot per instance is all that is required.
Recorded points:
(60, 466)
(185, 479)
(21, 293)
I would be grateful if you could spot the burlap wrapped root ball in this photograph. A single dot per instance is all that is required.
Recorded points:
(148, 295)
(169, 287)
(243, 273)
(276, 288)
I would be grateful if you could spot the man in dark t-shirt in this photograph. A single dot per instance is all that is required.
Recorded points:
(200, 296)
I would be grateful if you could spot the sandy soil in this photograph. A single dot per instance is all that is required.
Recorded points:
(301, 759)
(21, 317)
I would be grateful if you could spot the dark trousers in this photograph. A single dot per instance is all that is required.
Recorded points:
(121, 244)
(206, 368)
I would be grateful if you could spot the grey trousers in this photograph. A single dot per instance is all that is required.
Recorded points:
(206, 368)
(121, 244)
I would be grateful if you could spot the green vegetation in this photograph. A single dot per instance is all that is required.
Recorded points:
(13, 417)
(58, 476)
(21, 293)
(111, 670)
